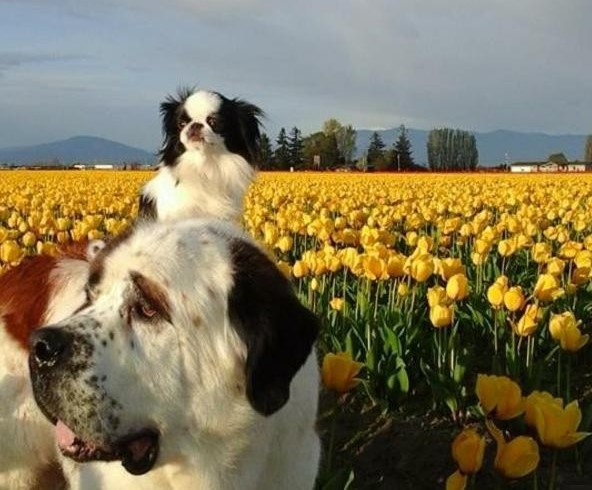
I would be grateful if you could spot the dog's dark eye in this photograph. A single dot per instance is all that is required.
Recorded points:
(182, 123)
(143, 310)
(212, 121)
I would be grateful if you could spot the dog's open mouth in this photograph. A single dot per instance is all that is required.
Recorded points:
(137, 452)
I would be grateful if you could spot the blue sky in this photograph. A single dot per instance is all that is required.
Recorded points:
(70, 67)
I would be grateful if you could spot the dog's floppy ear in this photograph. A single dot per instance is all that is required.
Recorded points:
(277, 330)
(249, 120)
(169, 113)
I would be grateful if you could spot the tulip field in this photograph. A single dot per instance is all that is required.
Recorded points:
(462, 299)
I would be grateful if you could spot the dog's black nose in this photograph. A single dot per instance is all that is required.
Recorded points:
(194, 131)
(48, 346)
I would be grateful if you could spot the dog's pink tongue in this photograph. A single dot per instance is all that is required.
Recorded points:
(64, 435)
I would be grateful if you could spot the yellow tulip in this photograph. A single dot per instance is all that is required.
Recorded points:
(468, 449)
(456, 481)
(499, 396)
(527, 324)
(394, 265)
(29, 239)
(535, 398)
(496, 292)
(478, 258)
(457, 287)
(515, 458)
(339, 372)
(300, 269)
(10, 251)
(548, 288)
(541, 252)
(557, 426)
(555, 266)
(558, 323)
(581, 275)
(436, 296)
(448, 267)
(402, 289)
(422, 268)
(285, 243)
(441, 315)
(374, 268)
(336, 304)
(506, 247)
(514, 298)
(572, 339)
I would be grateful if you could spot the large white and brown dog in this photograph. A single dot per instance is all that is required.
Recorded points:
(191, 364)
(209, 149)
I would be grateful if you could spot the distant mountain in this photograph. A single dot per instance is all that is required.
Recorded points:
(493, 146)
(79, 149)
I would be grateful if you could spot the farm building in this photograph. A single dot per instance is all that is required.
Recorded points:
(555, 163)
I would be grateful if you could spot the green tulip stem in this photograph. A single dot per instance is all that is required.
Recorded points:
(553, 470)
(535, 480)
(495, 315)
(559, 374)
(568, 380)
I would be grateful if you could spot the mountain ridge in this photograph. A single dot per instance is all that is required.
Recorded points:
(495, 147)
(76, 149)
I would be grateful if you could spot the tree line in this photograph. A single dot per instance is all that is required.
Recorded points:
(335, 146)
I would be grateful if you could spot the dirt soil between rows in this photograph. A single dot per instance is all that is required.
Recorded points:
(400, 452)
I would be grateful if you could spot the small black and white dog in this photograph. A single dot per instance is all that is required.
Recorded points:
(210, 147)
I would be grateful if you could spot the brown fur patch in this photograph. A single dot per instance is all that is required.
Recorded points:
(154, 294)
(24, 295)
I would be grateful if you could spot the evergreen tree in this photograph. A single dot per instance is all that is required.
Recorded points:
(265, 152)
(588, 150)
(403, 151)
(376, 154)
(281, 155)
(295, 148)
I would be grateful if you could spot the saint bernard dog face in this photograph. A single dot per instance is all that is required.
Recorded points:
(186, 325)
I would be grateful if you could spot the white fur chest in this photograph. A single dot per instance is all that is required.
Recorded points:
(201, 185)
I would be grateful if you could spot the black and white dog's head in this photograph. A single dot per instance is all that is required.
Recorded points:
(210, 146)
(189, 331)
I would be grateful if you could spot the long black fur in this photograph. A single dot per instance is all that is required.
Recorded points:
(278, 331)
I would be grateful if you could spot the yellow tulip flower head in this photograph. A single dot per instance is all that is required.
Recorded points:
(441, 315)
(300, 269)
(516, 458)
(457, 287)
(449, 266)
(402, 289)
(548, 288)
(336, 304)
(339, 372)
(499, 396)
(514, 299)
(496, 292)
(11, 252)
(527, 324)
(572, 339)
(422, 267)
(456, 481)
(555, 266)
(557, 426)
(532, 400)
(436, 296)
(541, 252)
(564, 328)
(468, 449)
